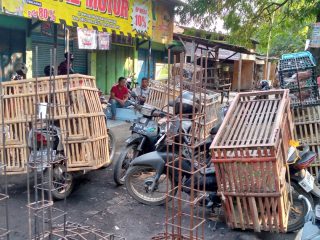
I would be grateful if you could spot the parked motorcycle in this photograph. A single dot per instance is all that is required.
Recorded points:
(145, 133)
(146, 177)
(45, 144)
(302, 182)
(311, 228)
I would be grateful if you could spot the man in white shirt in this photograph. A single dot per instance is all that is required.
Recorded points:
(142, 91)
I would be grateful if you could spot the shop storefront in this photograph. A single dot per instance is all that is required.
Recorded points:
(115, 63)
(162, 35)
(43, 38)
(130, 19)
(13, 33)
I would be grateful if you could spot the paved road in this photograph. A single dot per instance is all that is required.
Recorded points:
(96, 201)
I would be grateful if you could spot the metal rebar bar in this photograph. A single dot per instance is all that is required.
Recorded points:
(4, 157)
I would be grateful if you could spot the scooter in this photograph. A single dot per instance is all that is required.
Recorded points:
(46, 149)
(303, 183)
(144, 135)
(311, 228)
(146, 177)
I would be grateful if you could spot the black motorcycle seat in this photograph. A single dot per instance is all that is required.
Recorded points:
(215, 129)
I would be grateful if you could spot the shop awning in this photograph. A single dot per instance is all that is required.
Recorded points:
(125, 17)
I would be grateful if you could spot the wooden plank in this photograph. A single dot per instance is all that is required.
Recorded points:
(253, 124)
(233, 214)
(262, 213)
(246, 211)
(229, 114)
(245, 136)
(258, 124)
(254, 214)
(233, 123)
(270, 121)
(269, 216)
(264, 130)
(240, 213)
(240, 128)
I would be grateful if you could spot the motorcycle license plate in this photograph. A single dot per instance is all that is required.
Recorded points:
(307, 182)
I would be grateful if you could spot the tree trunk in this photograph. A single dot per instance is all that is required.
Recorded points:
(316, 51)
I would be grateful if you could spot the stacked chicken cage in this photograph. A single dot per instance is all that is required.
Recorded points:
(159, 91)
(87, 143)
(297, 72)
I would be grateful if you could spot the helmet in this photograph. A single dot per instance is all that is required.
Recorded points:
(264, 85)
(70, 56)
(188, 103)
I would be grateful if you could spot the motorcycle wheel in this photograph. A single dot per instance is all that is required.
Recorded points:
(111, 143)
(62, 182)
(298, 209)
(129, 153)
(137, 181)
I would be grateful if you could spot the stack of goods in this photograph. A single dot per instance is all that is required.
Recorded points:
(249, 153)
(307, 131)
(159, 96)
(297, 73)
(188, 70)
(87, 143)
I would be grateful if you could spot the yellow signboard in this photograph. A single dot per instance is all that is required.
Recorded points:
(127, 16)
(163, 23)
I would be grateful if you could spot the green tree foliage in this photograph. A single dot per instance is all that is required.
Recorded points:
(288, 20)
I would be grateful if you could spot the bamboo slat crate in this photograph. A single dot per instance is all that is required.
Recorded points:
(249, 154)
(158, 97)
(307, 131)
(88, 139)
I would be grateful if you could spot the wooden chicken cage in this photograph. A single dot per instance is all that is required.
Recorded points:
(158, 97)
(87, 143)
(307, 131)
(249, 153)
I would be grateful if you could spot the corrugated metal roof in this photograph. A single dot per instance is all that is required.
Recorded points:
(213, 44)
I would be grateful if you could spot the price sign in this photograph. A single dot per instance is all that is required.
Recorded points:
(140, 18)
(104, 40)
(87, 39)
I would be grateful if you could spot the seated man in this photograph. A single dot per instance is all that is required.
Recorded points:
(119, 96)
(143, 91)
(63, 67)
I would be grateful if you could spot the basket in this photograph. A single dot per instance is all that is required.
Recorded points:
(293, 61)
(249, 153)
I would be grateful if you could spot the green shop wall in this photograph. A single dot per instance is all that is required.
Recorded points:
(112, 64)
(13, 44)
